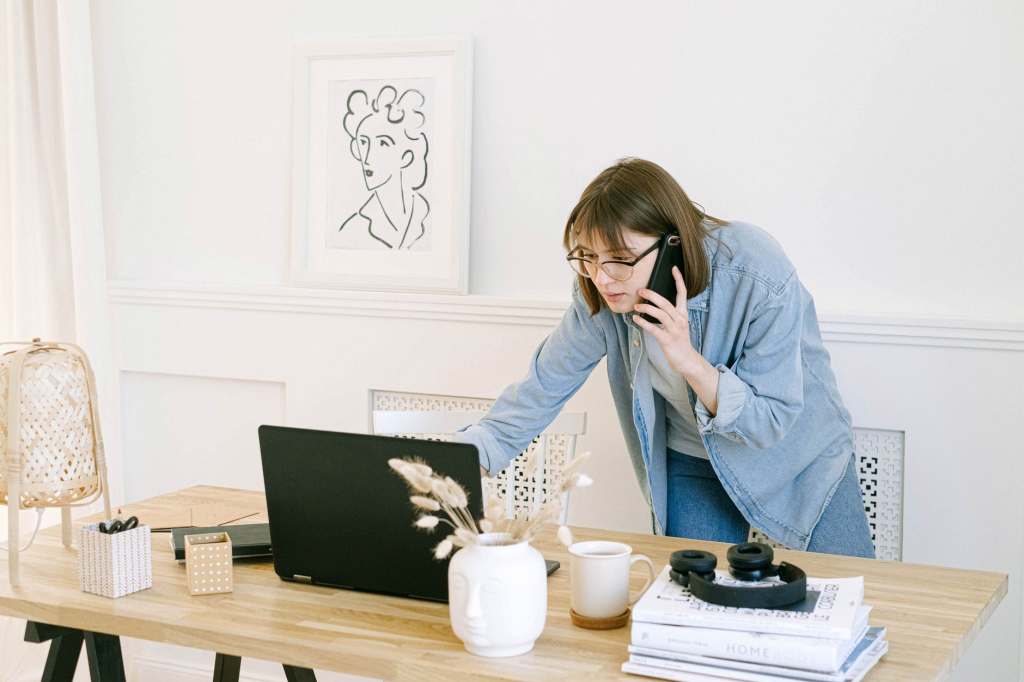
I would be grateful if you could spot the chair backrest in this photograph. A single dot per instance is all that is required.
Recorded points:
(879, 460)
(523, 495)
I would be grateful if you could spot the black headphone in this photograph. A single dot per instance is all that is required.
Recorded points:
(749, 561)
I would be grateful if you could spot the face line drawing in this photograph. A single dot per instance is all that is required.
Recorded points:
(377, 151)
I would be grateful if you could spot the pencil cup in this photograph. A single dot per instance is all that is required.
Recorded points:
(208, 563)
(117, 564)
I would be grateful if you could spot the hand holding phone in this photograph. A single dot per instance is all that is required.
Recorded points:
(670, 253)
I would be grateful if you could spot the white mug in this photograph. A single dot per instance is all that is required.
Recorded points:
(599, 571)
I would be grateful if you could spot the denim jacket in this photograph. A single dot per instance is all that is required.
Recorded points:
(781, 438)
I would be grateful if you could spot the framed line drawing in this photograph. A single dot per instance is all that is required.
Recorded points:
(381, 164)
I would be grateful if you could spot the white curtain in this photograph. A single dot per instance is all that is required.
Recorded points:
(36, 286)
(36, 294)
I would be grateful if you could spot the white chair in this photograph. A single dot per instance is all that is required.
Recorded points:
(880, 459)
(555, 447)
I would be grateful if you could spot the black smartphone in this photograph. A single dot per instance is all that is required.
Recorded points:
(669, 253)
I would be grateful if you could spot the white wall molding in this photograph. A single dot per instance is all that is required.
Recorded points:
(898, 330)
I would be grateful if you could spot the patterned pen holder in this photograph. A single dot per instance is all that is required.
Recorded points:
(117, 564)
(208, 563)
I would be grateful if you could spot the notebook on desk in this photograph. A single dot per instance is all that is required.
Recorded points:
(248, 540)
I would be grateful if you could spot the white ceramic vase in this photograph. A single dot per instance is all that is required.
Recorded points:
(498, 596)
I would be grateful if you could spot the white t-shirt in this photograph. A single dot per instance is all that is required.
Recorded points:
(681, 428)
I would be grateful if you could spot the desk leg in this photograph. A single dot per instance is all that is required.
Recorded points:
(299, 674)
(227, 668)
(65, 647)
(104, 651)
(105, 663)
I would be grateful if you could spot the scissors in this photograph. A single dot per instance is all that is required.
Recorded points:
(117, 525)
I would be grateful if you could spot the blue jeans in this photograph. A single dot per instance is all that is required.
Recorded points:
(700, 509)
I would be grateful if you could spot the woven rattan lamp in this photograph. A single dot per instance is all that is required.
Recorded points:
(51, 450)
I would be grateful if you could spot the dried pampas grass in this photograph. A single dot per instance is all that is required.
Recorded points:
(427, 522)
(436, 493)
(443, 549)
(425, 503)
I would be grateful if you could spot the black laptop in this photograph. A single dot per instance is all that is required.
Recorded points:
(340, 516)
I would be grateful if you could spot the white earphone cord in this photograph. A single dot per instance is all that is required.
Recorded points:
(5, 546)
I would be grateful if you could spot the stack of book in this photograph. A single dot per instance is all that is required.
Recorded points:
(676, 636)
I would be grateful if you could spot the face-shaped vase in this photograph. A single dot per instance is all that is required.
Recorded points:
(497, 596)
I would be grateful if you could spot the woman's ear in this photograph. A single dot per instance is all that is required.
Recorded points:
(407, 158)
(354, 149)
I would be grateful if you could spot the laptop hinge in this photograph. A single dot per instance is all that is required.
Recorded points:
(302, 578)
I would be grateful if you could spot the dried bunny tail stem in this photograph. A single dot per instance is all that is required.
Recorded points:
(456, 519)
(400, 466)
(428, 503)
(470, 523)
(419, 482)
(448, 496)
(519, 526)
(510, 527)
(571, 468)
(530, 464)
(419, 467)
(465, 536)
(452, 494)
(499, 525)
(440, 490)
(428, 521)
(443, 549)
(460, 517)
(494, 509)
(412, 476)
(540, 520)
(576, 481)
(526, 523)
(458, 494)
(549, 511)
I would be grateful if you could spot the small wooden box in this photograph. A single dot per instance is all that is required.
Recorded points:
(208, 563)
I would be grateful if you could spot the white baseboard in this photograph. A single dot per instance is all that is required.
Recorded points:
(157, 670)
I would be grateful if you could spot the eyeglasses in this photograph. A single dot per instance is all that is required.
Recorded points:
(618, 270)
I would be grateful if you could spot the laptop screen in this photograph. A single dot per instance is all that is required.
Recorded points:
(340, 516)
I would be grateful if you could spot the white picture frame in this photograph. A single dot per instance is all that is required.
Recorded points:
(381, 164)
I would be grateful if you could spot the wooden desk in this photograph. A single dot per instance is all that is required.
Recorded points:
(932, 614)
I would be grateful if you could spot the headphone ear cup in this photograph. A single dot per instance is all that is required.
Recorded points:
(751, 561)
(686, 560)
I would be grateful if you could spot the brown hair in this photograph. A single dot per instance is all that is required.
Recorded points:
(641, 196)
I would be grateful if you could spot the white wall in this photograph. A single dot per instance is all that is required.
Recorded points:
(878, 142)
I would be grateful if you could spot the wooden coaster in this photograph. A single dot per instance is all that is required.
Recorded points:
(599, 623)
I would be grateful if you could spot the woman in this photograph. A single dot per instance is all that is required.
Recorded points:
(728, 403)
